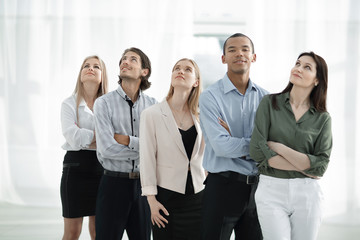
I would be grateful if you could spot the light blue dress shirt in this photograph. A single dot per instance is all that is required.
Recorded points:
(224, 152)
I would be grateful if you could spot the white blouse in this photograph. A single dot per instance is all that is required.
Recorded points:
(78, 135)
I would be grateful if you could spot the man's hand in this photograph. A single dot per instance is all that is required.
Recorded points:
(122, 139)
(224, 125)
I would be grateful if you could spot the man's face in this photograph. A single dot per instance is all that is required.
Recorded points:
(238, 55)
(130, 66)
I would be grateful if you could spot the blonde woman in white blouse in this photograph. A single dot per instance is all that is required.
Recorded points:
(171, 153)
(81, 169)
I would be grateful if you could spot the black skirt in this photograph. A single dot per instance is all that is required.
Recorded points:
(185, 214)
(79, 183)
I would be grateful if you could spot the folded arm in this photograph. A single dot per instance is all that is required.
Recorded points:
(76, 136)
(107, 145)
(221, 141)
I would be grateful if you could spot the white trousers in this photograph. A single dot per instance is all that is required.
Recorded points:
(289, 209)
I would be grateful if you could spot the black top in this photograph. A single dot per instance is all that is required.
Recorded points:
(189, 138)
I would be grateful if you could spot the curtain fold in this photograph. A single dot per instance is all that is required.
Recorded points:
(42, 45)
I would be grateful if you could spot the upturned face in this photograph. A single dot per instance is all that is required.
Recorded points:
(130, 66)
(91, 71)
(303, 74)
(184, 75)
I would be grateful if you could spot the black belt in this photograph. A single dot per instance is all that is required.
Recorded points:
(129, 175)
(71, 165)
(251, 179)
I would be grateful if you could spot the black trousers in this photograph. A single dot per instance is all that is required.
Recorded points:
(228, 205)
(121, 207)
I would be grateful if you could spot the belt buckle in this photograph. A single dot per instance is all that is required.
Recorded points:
(249, 180)
(133, 175)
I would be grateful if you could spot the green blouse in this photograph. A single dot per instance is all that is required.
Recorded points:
(310, 135)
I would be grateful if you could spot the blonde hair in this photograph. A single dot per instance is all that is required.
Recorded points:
(79, 88)
(193, 100)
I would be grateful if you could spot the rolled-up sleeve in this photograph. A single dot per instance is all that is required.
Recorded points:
(319, 160)
(259, 150)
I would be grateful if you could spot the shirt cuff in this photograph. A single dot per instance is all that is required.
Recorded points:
(149, 190)
(86, 138)
(134, 143)
(268, 153)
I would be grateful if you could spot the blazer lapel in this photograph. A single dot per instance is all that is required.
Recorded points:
(171, 125)
(198, 138)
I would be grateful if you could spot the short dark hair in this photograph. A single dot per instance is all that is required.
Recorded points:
(239, 35)
(145, 64)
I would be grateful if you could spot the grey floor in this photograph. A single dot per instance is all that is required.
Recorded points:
(35, 223)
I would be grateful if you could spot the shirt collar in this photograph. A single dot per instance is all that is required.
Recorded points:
(82, 101)
(83, 104)
(286, 99)
(122, 93)
(229, 86)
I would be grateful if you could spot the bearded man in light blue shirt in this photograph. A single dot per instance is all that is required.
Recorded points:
(227, 113)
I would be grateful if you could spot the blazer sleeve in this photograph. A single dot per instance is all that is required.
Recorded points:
(148, 150)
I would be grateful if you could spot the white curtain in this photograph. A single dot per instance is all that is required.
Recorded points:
(283, 29)
(42, 45)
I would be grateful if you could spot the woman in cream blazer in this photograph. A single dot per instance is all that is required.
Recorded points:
(171, 153)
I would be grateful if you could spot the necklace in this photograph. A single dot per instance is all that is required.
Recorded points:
(179, 120)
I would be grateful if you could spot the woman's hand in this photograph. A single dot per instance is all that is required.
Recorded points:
(92, 145)
(155, 207)
(224, 125)
(93, 142)
(310, 176)
(299, 160)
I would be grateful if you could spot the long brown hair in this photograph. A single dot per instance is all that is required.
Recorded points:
(319, 93)
(193, 100)
(79, 88)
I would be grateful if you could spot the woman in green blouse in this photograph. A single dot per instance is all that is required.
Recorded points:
(292, 142)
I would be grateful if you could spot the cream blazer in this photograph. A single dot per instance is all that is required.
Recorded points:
(163, 159)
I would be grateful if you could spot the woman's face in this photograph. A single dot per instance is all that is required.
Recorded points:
(303, 74)
(184, 75)
(91, 71)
